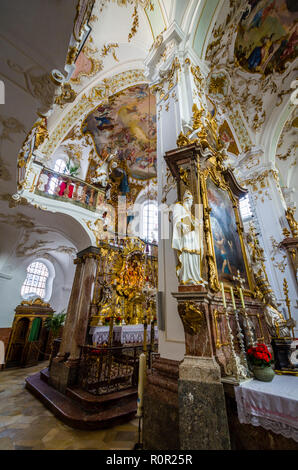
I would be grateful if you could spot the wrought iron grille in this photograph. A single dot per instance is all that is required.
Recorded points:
(108, 369)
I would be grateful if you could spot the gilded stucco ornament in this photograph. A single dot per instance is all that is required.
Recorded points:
(67, 95)
(192, 317)
(290, 216)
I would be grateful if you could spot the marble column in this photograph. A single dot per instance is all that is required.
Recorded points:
(71, 312)
(63, 374)
(203, 423)
(79, 330)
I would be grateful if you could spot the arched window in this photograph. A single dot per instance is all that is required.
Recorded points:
(60, 167)
(149, 229)
(36, 280)
(245, 208)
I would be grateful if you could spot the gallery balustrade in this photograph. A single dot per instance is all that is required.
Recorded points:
(67, 188)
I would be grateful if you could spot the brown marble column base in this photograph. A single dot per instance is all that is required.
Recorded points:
(63, 374)
(161, 426)
(203, 423)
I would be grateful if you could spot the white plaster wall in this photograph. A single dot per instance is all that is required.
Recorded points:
(10, 289)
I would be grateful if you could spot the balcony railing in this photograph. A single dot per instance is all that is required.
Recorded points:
(68, 188)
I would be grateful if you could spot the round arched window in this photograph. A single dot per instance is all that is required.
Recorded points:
(60, 166)
(36, 280)
(149, 229)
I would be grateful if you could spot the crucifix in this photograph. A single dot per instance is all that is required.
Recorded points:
(241, 282)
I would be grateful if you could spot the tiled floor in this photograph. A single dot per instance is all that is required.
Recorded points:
(25, 423)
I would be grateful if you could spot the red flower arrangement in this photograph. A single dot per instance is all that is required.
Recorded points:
(117, 320)
(259, 355)
(107, 319)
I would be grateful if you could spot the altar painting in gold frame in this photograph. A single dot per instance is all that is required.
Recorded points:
(227, 242)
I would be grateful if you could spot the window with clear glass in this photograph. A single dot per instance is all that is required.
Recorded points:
(60, 167)
(245, 208)
(150, 221)
(36, 280)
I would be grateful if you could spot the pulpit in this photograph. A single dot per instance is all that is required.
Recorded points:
(29, 337)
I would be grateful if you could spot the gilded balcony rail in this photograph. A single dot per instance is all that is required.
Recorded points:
(67, 188)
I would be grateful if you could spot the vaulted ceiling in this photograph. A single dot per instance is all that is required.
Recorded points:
(253, 101)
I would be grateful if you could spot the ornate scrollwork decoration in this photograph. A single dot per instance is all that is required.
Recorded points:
(192, 318)
(68, 95)
(292, 222)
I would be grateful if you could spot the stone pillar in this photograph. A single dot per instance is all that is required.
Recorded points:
(79, 330)
(63, 374)
(203, 420)
(203, 423)
(71, 312)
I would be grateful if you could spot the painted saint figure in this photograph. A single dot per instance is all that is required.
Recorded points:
(187, 241)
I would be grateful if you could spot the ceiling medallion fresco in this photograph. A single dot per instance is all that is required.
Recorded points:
(126, 125)
(267, 35)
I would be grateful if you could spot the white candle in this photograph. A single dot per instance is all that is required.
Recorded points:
(232, 297)
(241, 297)
(223, 295)
(142, 370)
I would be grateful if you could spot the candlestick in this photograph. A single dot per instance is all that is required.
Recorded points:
(142, 368)
(241, 297)
(223, 295)
(240, 336)
(233, 298)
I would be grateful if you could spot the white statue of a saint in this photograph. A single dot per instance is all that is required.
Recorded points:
(187, 241)
(277, 324)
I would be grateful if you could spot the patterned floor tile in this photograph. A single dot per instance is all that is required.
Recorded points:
(25, 424)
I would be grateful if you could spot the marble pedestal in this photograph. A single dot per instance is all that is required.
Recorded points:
(161, 416)
(203, 423)
(63, 374)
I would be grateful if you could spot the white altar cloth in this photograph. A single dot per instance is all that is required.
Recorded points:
(124, 334)
(272, 405)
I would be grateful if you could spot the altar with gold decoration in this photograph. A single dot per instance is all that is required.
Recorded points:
(122, 334)
(124, 292)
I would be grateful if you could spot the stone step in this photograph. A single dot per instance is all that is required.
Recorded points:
(45, 375)
(89, 401)
(70, 411)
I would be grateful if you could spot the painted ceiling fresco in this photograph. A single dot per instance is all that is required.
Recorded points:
(126, 124)
(268, 36)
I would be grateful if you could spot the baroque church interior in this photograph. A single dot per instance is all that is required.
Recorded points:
(148, 255)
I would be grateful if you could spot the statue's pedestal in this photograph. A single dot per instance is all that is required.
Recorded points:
(206, 326)
(203, 420)
(282, 352)
(161, 410)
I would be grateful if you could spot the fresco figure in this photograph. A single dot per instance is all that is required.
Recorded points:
(267, 36)
(126, 124)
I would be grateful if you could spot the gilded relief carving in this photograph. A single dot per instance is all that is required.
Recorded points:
(192, 317)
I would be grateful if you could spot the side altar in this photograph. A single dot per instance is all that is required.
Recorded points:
(224, 298)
